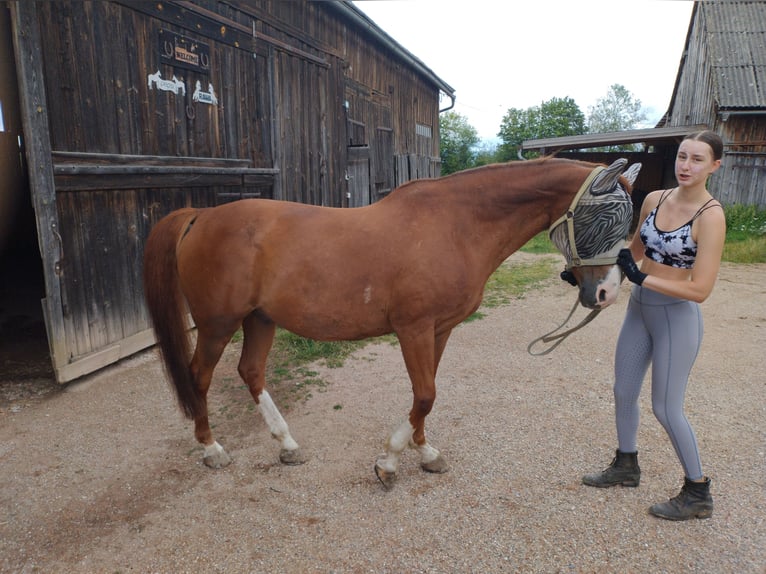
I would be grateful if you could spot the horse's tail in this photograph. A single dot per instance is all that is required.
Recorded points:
(167, 307)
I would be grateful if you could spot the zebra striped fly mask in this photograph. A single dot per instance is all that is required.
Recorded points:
(597, 223)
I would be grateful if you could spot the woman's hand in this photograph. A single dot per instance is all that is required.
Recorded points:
(628, 265)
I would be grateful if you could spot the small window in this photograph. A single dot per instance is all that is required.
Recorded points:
(423, 130)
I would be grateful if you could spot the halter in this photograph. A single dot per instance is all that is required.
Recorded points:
(608, 257)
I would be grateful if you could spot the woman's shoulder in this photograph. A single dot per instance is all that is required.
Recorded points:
(652, 199)
(709, 221)
(712, 211)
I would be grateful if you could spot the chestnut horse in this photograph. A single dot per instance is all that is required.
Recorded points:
(414, 264)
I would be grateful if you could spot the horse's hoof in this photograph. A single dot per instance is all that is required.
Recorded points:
(217, 459)
(387, 479)
(437, 465)
(291, 457)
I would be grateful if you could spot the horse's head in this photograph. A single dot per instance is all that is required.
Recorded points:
(593, 231)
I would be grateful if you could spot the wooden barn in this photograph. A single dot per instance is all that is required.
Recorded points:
(112, 114)
(721, 85)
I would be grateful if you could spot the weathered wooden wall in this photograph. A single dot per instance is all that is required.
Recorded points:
(742, 177)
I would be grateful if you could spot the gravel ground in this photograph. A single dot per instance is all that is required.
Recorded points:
(104, 475)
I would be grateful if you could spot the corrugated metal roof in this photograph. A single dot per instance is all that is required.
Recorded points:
(736, 37)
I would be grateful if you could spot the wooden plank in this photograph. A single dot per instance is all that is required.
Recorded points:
(217, 18)
(136, 169)
(231, 33)
(104, 357)
(117, 180)
(34, 112)
(60, 156)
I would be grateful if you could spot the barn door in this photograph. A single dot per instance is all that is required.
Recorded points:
(146, 129)
(358, 172)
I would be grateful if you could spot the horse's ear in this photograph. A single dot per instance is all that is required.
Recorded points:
(607, 179)
(632, 173)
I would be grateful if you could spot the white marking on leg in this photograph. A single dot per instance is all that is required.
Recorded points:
(277, 425)
(427, 453)
(212, 450)
(397, 442)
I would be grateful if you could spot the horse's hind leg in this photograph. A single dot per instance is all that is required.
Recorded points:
(206, 355)
(259, 336)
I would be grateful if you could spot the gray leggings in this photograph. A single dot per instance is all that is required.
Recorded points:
(666, 332)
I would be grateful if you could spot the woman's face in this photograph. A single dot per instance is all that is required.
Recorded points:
(694, 163)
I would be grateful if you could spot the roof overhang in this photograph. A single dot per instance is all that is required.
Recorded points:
(666, 135)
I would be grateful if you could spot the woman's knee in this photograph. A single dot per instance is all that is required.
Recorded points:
(669, 416)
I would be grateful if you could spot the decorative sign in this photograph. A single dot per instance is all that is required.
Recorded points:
(175, 85)
(208, 97)
(182, 52)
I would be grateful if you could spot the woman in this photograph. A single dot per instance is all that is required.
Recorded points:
(663, 324)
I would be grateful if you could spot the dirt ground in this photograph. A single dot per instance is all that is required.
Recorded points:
(104, 475)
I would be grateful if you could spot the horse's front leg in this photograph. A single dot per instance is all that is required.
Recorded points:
(421, 356)
(258, 338)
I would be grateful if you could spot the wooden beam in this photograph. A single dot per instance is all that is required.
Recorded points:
(34, 113)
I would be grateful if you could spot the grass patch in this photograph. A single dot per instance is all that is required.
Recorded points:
(540, 243)
(745, 234)
(333, 353)
(287, 373)
(513, 280)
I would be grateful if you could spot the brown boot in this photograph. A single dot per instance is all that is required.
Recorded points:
(694, 501)
(624, 470)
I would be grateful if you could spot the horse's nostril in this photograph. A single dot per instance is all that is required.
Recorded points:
(602, 295)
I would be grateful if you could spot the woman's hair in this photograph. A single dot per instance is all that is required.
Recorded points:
(710, 138)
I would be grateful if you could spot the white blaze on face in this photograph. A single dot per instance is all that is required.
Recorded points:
(609, 288)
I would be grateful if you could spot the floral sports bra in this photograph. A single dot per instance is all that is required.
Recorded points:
(674, 248)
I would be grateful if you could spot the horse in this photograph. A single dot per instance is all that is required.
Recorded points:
(414, 264)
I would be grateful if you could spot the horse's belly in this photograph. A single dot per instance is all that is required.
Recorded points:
(330, 322)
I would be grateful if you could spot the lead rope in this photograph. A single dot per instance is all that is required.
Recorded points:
(548, 337)
(568, 218)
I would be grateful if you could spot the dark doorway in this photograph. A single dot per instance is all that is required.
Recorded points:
(25, 364)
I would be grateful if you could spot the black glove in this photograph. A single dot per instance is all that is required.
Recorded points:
(568, 276)
(629, 267)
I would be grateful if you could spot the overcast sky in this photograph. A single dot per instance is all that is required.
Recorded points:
(501, 54)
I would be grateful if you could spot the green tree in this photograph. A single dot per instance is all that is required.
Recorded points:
(486, 153)
(457, 142)
(619, 110)
(557, 117)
